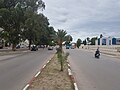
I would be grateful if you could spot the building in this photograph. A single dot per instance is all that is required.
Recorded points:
(108, 41)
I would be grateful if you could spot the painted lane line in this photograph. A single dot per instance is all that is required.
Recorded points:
(48, 61)
(69, 71)
(37, 74)
(75, 85)
(44, 66)
(26, 87)
(68, 65)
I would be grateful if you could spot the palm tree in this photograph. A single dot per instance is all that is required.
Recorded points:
(60, 36)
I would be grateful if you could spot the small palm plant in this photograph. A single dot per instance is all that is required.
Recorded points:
(60, 36)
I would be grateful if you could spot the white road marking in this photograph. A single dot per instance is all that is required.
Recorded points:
(69, 71)
(37, 74)
(75, 85)
(48, 61)
(69, 65)
(44, 66)
(25, 88)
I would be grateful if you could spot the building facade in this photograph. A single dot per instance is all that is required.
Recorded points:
(108, 41)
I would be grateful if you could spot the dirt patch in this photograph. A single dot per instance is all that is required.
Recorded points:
(51, 78)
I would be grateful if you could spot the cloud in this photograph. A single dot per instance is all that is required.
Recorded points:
(83, 18)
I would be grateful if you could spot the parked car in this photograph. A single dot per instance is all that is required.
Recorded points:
(18, 46)
(21, 46)
(34, 48)
(50, 47)
(67, 47)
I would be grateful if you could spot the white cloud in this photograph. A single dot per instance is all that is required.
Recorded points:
(83, 18)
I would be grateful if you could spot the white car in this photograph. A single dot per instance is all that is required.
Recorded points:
(50, 47)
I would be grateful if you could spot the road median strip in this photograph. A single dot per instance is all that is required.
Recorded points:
(50, 76)
(35, 76)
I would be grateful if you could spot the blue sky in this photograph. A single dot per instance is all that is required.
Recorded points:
(85, 18)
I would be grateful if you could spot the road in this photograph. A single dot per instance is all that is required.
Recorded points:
(94, 74)
(16, 72)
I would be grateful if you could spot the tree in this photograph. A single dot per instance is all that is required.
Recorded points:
(11, 18)
(60, 36)
(34, 22)
(93, 40)
(36, 28)
(51, 35)
(79, 43)
(68, 39)
(88, 40)
(20, 20)
(85, 42)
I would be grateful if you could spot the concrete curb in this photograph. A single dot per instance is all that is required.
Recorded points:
(35, 76)
(71, 76)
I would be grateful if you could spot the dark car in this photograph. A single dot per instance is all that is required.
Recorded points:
(34, 48)
(67, 47)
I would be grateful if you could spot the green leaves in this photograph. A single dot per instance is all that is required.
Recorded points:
(68, 39)
(60, 37)
(79, 41)
(20, 20)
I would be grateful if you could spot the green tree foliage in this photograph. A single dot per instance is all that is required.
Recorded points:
(85, 42)
(60, 37)
(88, 40)
(11, 18)
(79, 41)
(68, 39)
(34, 23)
(20, 20)
(51, 36)
(93, 40)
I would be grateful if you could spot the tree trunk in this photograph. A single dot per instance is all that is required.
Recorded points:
(30, 41)
(60, 46)
(61, 64)
(14, 47)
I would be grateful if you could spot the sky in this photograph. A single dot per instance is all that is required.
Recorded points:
(84, 18)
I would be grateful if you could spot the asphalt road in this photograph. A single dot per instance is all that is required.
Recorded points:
(94, 74)
(17, 71)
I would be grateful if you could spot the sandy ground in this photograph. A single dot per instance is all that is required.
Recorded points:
(51, 78)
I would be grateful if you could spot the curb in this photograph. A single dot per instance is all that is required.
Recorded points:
(35, 76)
(71, 76)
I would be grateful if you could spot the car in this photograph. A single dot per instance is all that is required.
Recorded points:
(50, 47)
(34, 48)
(18, 46)
(67, 47)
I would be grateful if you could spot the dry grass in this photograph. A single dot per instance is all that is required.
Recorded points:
(51, 78)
